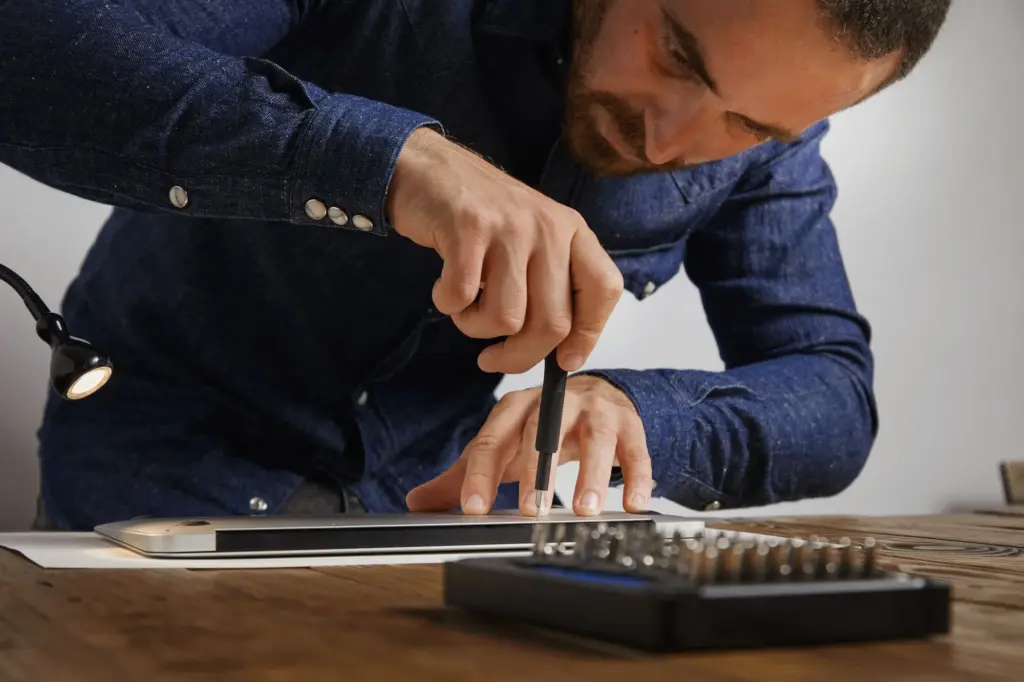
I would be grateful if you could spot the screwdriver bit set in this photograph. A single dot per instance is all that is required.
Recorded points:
(637, 587)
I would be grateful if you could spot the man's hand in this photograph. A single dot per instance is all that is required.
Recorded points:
(516, 263)
(600, 428)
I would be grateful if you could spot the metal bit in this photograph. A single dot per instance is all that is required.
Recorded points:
(673, 550)
(563, 540)
(807, 559)
(559, 539)
(594, 536)
(821, 557)
(828, 562)
(870, 557)
(796, 553)
(779, 567)
(682, 556)
(732, 562)
(626, 552)
(847, 567)
(654, 549)
(709, 565)
(612, 537)
(622, 557)
(666, 549)
(756, 562)
(538, 501)
(540, 538)
(580, 541)
(694, 557)
(638, 546)
(604, 544)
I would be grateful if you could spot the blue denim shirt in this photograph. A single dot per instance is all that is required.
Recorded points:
(256, 343)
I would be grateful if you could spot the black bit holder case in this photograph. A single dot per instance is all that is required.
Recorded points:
(636, 588)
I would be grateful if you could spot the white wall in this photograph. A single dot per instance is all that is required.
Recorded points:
(930, 177)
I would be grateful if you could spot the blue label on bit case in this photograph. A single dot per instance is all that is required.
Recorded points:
(596, 577)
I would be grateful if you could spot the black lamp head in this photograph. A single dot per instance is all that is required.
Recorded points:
(77, 368)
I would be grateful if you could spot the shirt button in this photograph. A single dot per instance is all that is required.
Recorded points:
(362, 399)
(258, 504)
(713, 506)
(649, 289)
(337, 216)
(363, 223)
(179, 197)
(315, 209)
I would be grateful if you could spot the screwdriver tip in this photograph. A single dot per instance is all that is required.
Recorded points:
(539, 501)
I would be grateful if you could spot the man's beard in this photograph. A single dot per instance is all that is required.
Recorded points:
(591, 149)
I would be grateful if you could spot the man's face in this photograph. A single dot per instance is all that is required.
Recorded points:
(666, 84)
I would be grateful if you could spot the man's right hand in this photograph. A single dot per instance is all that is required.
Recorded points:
(516, 263)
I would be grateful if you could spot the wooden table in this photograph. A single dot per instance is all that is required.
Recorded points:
(389, 624)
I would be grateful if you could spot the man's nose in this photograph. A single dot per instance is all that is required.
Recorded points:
(671, 129)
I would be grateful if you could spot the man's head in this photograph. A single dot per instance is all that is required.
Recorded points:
(664, 84)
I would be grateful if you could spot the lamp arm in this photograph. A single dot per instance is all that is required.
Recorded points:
(33, 302)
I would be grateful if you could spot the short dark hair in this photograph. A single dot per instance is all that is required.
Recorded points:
(874, 28)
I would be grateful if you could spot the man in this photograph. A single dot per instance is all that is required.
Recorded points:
(339, 222)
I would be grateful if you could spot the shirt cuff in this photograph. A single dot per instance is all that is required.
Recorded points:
(679, 469)
(347, 157)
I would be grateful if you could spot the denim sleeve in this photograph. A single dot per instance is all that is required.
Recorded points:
(120, 102)
(793, 414)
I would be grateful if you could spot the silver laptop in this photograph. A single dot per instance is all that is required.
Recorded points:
(500, 531)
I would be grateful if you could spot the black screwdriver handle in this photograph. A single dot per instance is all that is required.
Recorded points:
(552, 400)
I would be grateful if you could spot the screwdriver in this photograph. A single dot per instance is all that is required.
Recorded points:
(549, 426)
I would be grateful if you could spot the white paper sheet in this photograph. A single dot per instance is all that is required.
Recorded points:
(56, 549)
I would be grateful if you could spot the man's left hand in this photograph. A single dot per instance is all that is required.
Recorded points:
(600, 428)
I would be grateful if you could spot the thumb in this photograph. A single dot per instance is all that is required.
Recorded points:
(441, 493)
(461, 273)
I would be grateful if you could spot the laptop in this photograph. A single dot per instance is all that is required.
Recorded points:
(453, 532)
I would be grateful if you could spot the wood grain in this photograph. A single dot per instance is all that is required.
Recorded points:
(1003, 531)
(388, 623)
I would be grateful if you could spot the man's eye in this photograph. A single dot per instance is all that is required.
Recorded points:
(759, 135)
(682, 66)
(680, 59)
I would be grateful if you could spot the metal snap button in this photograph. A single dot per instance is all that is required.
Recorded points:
(179, 197)
(315, 209)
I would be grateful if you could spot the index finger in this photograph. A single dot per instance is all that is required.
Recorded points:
(488, 455)
(498, 435)
(596, 288)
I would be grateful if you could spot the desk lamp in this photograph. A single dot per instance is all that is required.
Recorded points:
(77, 368)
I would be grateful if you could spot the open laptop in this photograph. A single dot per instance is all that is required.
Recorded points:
(500, 531)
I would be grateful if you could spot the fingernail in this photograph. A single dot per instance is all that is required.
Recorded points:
(638, 501)
(474, 505)
(588, 503)
(528, 505)
(573, 362)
